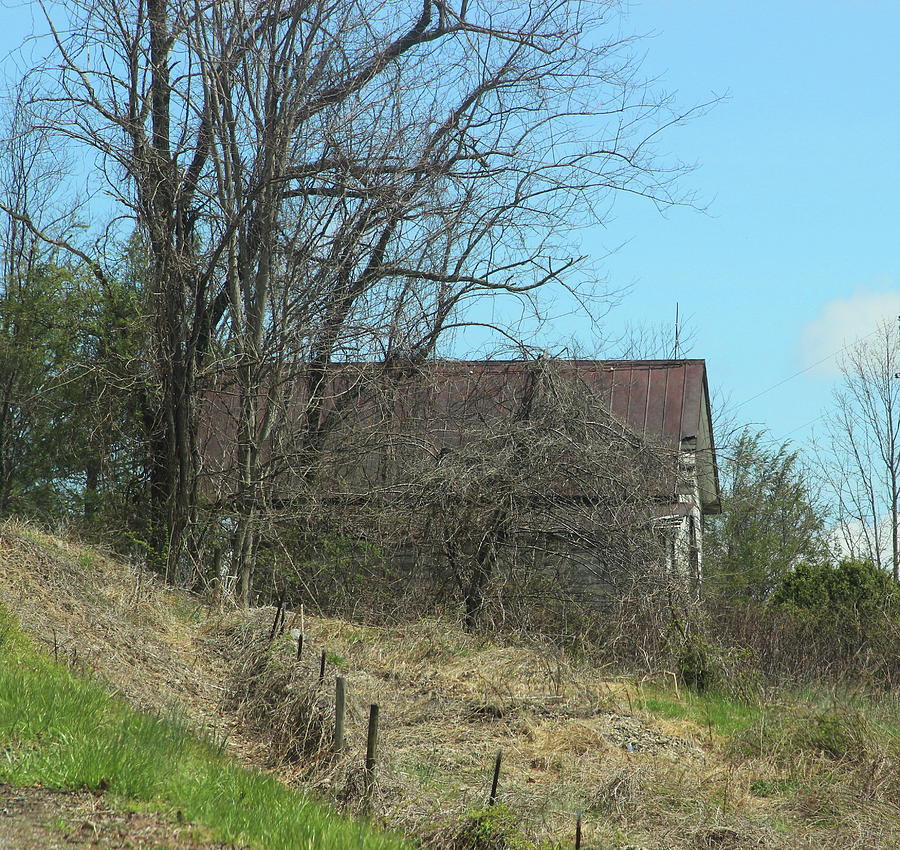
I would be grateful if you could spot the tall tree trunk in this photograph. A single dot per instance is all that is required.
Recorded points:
(171, 427)
(895, 542)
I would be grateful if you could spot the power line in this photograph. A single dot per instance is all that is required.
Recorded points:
(807, 369)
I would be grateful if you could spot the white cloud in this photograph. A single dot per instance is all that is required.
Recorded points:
(853, 539)
(843, 321)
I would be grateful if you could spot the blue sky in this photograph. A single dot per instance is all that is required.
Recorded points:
(799, 166)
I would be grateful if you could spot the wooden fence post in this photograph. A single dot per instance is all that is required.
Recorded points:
(578, 831)
(497, 761)
(277, 620)
(322, 667)
(371, 747)
(300, 646)
(340, 700)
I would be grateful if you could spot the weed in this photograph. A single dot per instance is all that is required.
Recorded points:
(833, 735)
(60, 824)
(185, 608)
(425, 771)
(772, 787)
(336, 660)
(620, 793)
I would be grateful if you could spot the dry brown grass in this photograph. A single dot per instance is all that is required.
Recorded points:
(277, 699)
(113, 621)
(573, 737)
(576, 739)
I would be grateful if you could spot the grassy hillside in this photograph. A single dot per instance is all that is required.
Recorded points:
(649, 764)
(61, 728)
(63, 731)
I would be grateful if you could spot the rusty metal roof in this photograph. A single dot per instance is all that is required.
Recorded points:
(663, 400)
(657, 398)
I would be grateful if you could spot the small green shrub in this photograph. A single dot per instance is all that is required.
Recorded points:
(833, 735)
(490, 828)
(698, 664)
(336, 660)
(822, 589)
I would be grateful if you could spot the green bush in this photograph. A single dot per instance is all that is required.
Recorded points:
(822, 589)
(698, 665)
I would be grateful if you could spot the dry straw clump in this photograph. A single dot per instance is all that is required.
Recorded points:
(277, 698)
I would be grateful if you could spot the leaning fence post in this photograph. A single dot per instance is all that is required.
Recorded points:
(322, 667)
(340, 700)
(300, 646)
(371, 747)
(497, 761)
(277, 619)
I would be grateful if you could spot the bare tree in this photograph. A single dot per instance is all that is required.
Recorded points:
(320, 181)
(496, 481)
(862, 452)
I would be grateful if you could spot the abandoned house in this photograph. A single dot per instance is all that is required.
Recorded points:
(368, 425)
(661, 402)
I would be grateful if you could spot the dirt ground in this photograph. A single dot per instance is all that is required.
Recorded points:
(38, 819)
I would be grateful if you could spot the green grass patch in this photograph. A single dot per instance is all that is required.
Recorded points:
(711, 710)
(63, 731)
(87, 562)
(809, 722)
(336, 660)
(836, 734)
(881, 709)
(777, 787)
(357, 634)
